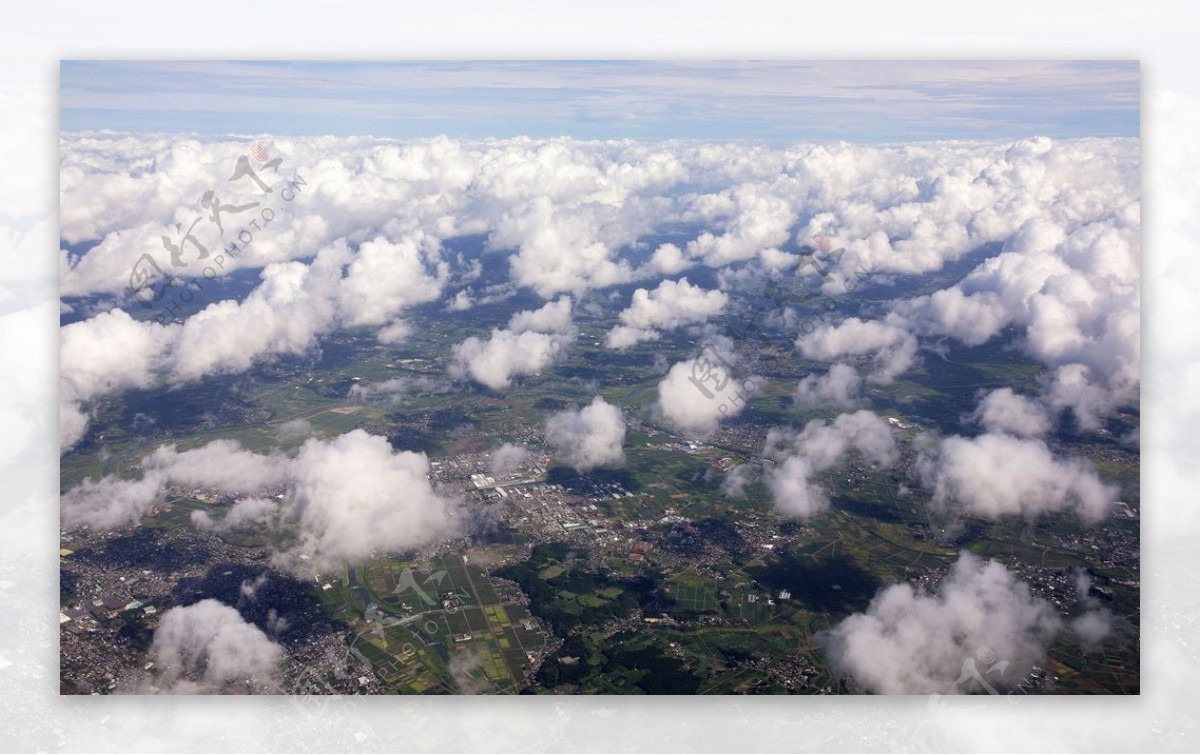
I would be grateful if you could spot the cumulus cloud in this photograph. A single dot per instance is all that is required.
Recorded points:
(668, 259)
(354, 495)
(72, 423)
(1060, 221)
(564, 248)
(568, 206)
(508, 458)
(972, 319)
(391, 391)
(737, 480)
(533, 340)
(671, 305)
(108, 503)
(295, 429)
(839, 387)
(207, 646)
(1004, 411)
(245, 513)
(1071, 290)
(108, 353)
(344, 499)
(461, 302)
(698, 393)
(111, 352)
(981, 623)
(816, 448)
(394, 332)
(761, 220)
(504, 355)
(386, 277)
(554, 317)
(589, 437)
(128, 192)
(293, 306)
(285, 314)
(1089, 397)
(1095, 624)
(995, 475)
(220, 465)
(894, 348)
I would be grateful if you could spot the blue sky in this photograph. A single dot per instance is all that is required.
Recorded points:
(773, 101)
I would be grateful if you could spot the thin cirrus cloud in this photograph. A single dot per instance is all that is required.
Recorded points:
(864, 101)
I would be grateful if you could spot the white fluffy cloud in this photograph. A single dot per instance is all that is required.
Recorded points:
(504, 355)
(973, 319)
(108, 353)
(911, 641)
(207, 646)
(533, 340)
(220, 465)
(372, 215)
(568, 207)
(737, 480)
(564, 249)
(387, 277)
(108, 503)
(589, 437)
(761, 220)
(995, 475)
(111, 352)
(818, 447)
(698, 393)
(1072, 290)
(246, 512)
(346, 497)
(1003, 411)
(354, 496)
(294, 305)
(394, 332)
(668, 259)
(554, 317)
(391, 391)
(1095, 624)
(893, 347)
(507, 459)
(671, 305)
(839, 387)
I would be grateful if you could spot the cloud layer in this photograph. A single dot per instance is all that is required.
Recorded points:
(361, 242)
